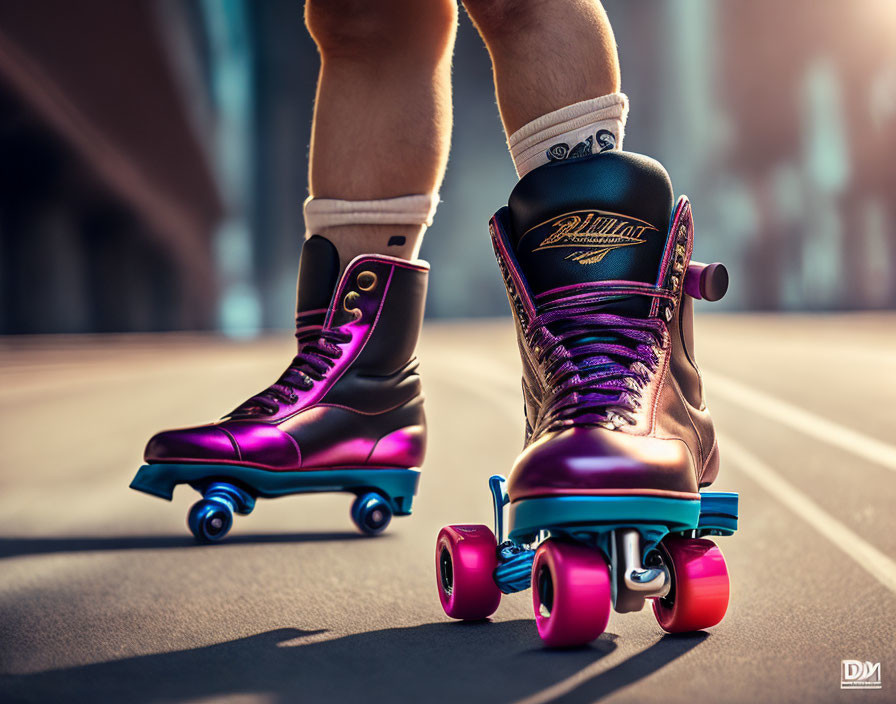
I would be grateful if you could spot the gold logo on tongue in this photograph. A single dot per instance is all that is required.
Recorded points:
(593, 233)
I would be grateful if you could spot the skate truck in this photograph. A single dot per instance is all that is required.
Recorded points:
(606, 506)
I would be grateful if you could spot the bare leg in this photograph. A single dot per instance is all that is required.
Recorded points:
(546, 54)
(382, 120)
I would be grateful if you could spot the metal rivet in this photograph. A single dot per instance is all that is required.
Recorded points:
(366, 280)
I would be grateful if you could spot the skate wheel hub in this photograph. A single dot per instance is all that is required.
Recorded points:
(371, 513)
(545, 592)
(446, 571)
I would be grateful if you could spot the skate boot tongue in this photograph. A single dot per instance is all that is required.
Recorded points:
(603, 218)
(318, 276)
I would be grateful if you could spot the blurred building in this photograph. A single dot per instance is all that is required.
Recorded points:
(153, 156)
(108, 196)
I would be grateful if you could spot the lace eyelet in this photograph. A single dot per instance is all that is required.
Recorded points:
(367, 280)
(348, 303)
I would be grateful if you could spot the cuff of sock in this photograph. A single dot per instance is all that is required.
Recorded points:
(541, 140)
(404, 210)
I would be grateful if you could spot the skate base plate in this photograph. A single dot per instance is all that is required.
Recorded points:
(714, 513)
(572, 513)
(398, 485)
(718, 513)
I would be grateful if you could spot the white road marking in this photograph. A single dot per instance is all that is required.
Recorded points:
(801, 420)
(865, 555)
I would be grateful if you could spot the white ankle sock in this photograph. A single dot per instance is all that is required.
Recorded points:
(580, 129)
(333, 218)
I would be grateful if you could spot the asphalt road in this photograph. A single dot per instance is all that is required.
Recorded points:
(104, 596)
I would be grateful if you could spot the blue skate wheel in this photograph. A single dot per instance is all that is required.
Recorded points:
(371, 513)
(209, 521)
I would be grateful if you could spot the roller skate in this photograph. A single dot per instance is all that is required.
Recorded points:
(346, 415)
(603, 508)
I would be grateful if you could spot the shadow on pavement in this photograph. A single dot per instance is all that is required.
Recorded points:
(440, 662)
(637, 667)
(15, 547)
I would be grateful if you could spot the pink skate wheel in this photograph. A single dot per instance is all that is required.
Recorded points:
(466, 557)
(570, 593)
(699, 595)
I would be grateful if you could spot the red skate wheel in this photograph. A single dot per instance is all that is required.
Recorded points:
(699, 595)
(466, 557)
(570, 593)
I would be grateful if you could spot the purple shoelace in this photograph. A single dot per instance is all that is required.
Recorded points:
(315, 359)
(594, 363)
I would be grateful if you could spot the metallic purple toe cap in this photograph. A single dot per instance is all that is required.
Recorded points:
(204, 443)
(593, 460)
(402, 448)
(264, 445)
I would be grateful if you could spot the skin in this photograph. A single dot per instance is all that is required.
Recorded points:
(546, 54)
(382, 119)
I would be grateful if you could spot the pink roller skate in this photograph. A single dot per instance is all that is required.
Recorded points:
(346, 415)
(606, 507)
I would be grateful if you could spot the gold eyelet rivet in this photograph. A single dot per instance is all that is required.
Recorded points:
(348, 303)
(366, 280)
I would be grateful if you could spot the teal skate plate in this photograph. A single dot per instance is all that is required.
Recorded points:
(718, 513)
(596, 514)
(399, 485)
